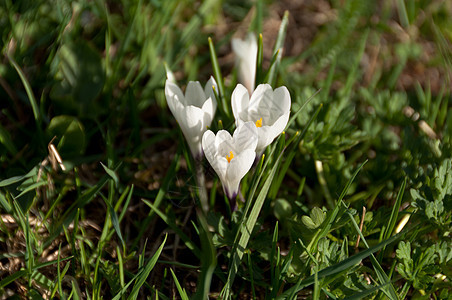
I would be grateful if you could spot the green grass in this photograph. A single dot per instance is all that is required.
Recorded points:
(370, 127)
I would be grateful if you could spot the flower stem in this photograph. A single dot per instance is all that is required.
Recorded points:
(202, 191)
(208, 261)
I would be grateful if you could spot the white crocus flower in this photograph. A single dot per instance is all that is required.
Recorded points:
(246, 54)
(194, 112)
(269, 110)
(231, 156)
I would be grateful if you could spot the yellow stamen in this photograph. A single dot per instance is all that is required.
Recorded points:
(230, 156)
(259, 123)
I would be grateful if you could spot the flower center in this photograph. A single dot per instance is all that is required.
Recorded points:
(259, 123)
(230, 156)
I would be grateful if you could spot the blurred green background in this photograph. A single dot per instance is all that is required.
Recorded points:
(92, 74)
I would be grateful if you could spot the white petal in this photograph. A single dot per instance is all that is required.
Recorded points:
(261, 102)
(194, 118)
(218, 163)
(266, 137)
(222, 135)
(246, 52)
(224, 143)
(245, 137)
(194, 94)
(208, 145)
(247, 76)
(238, 167)
(239, 47)
(282, 98)
(268, 133)
(174, 96)
(240, 100)
(280, 124)
(192, 125)
(221, 166)
(209, 111)
(208, 88)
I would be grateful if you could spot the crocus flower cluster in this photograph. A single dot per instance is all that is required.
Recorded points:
(259, 120)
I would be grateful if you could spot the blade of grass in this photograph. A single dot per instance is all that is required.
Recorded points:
(260, 58)
(208, 259)
(4, 202)
(176, 229)
(28, 89)
(245, 233)
(129, 193)
(182, 292)
(218, 78)
(332, 216)
(60, 275)
(364, 293)
(7, 141)
(115, 221)
(120, 266)
(384, 279)
(277, 50)
(259, 17)
(15, 179)
(160, 196)
(316, 292)
(273, 252)
(12, 278)
(70, 212)
(314, 116)
(251, 275)
(352, 73)
(30, 188)
(337, 268)
(15, 276)
(146, 271)
(111, 173)
(394, 214)
(403, 15)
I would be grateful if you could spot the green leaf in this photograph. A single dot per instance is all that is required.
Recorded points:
(404, 251)
(70, 133)
(81, 78)
(6, 140)
(434, 209)
(308, 222)
(317, 216)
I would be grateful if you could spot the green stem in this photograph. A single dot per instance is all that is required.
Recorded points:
(202, 191)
